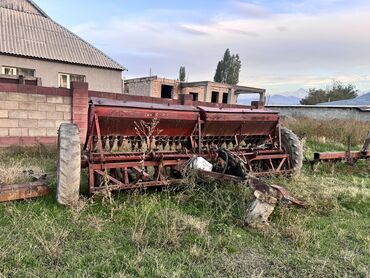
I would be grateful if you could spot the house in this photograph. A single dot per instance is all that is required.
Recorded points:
(34, 46)
(207, 91)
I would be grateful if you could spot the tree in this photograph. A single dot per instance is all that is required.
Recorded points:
(182, 73)
(315, 96)
(228, 69)
(218, 74)
(337, 92)
(233, 73)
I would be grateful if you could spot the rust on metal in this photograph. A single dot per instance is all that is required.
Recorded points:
(348, 156)
(139, 144)
(134, 145)
(24, 191)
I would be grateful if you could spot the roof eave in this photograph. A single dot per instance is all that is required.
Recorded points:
(121, 68)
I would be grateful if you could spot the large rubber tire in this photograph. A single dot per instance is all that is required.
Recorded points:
(293, 146)
(68, 164)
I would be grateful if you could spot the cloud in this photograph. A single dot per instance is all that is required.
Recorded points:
(280, 52)
(242, 32)
(192, 30)
(281, 28)
(251, 10)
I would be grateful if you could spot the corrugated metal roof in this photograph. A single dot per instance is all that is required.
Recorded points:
(34, 35)
(26, 6)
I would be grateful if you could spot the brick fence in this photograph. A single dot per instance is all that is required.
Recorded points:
(31, 114)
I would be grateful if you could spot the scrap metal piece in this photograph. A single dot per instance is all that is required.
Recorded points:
(285, 196)
(278, 192)
(24, 191)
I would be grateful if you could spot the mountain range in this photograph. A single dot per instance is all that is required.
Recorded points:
(286, 98)
(293, 98)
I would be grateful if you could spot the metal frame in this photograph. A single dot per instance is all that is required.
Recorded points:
(349, 156)
(141, 169)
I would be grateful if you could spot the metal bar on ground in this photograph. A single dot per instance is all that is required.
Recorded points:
(23, 191)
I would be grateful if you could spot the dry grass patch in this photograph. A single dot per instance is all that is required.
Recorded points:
(16, 163)
(329, 131)
(16, 171)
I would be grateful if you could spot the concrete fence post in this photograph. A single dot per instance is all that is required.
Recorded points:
(80, 106)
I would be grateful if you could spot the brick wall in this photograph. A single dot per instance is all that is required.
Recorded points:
(156, 87)
(139, 87)
(32, 115)
(80, 106)
(200, 90)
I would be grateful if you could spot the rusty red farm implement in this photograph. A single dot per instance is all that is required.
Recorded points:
(349, 156)
(138, 145)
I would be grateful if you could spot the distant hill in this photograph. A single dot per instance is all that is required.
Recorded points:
(282, 100)
(270, 100)
(286, 98)
(363, 100)
(300, 93)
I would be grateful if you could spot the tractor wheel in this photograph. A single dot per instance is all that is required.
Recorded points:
(293, 147)
(68, 164)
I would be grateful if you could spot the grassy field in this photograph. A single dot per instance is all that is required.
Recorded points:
(194, 231)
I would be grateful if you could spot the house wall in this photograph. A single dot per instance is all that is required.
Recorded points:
(221, 88)
(205, 89)
(138, 87)
(99, 79)
(152, 86)
(157, 87)
(200, 90)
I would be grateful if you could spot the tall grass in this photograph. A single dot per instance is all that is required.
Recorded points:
(329, 131)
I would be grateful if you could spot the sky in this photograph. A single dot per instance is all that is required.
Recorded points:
(283, 45)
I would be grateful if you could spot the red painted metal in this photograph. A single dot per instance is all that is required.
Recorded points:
(140, 144)
(232, 121)
(349, 156)
(341, 155)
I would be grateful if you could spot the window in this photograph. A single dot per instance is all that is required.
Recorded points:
(77, 78)
(65, 79)
(166, 91)
(225, 98)
(214, 97)
(195, 96)
(26, 72)
(18, 71)
(9, 71)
